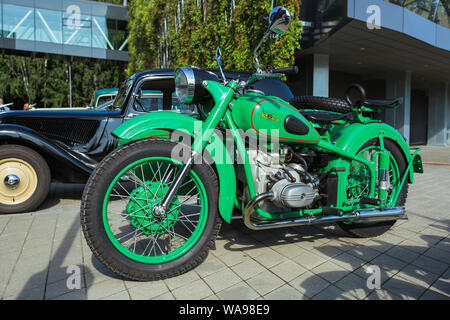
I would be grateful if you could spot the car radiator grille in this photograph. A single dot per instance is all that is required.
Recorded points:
(68, 131)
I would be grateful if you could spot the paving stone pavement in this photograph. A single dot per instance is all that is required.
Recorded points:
(320, 262)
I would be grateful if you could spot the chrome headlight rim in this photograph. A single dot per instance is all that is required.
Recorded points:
(187, 96)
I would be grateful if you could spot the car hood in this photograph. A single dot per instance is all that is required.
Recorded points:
(56, 112)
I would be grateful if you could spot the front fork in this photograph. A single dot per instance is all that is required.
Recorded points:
(222, 98)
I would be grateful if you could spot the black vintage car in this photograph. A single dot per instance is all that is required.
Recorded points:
(64, 145)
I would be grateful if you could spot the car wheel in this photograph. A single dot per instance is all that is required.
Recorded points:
(24, 179)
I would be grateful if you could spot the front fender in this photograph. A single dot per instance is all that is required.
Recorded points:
(162, 124)
(75, 161)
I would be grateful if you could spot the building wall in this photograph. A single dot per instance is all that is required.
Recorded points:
(448, 114)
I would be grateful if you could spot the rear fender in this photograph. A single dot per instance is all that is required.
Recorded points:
(352, 137)
(162, 124)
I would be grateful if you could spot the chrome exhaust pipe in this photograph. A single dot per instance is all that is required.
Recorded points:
(360, 215)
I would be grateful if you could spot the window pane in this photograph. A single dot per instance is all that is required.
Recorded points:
(77, 29)
(48, 26)
(443, 14)
(118, 34)
(180, 107)
(151, 100)
(18, 22)
(102, 99)
(100, 34)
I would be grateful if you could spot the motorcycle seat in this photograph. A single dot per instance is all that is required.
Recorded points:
(321, 116)
(387, 104)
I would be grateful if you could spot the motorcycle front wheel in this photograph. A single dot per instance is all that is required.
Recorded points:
(117, 218)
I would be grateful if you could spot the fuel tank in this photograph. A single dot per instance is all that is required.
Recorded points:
(272, 117)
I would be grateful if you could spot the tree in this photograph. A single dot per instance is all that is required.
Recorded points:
(186, 32)
(45, 80)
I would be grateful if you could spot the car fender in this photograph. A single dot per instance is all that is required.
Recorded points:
(78, 162)
(162, 124)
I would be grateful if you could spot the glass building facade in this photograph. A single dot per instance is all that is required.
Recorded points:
(61, 23)
(437, 11)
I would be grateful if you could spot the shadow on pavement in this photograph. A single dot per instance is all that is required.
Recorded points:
(238, 238)
(412, 284)
(59, 191)
(57, 270)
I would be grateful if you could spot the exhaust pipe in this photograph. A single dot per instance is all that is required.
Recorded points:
(360, 215)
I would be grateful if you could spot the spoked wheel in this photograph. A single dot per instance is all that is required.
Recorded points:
(24, 179)
(123, 230)
(359, 186)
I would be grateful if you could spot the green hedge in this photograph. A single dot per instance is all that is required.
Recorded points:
(163, 34)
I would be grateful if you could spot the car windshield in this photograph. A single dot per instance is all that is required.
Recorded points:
(105, 100)
(122, 94)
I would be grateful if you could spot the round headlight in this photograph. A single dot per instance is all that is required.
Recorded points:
(185, 84)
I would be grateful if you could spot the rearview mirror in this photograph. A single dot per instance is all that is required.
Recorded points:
(279, 23)
(279, 20)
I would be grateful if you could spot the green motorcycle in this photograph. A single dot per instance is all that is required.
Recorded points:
(153, 207)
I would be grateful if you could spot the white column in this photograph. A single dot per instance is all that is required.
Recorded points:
(321, 75)
(398, 85)
(438, 114)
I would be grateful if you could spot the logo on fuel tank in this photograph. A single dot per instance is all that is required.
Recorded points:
(269, 117)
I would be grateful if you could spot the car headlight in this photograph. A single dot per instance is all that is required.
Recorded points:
(188, 84)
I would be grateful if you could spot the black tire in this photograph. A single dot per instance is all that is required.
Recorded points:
(94, 230)
(321, 103)
(39, 165)
(362, 230)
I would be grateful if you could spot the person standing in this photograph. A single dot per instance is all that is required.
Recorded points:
(3, 106)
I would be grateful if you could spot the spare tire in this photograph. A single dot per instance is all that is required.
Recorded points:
(321, 103)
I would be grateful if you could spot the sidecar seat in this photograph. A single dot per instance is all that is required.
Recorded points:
(383, 104)
(323, 116)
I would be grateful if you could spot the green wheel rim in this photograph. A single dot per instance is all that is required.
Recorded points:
(152, 252)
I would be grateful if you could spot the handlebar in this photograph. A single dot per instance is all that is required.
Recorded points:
(287, 70)
(271, 73)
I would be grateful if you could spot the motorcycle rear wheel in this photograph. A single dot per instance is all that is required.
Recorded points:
(397, 169)
(124, 233)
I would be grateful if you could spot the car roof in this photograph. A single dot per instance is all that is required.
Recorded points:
(170, 72)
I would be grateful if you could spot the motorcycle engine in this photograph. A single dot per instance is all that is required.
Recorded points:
(291, 185)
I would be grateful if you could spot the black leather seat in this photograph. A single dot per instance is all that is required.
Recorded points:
(387, 104)
(320, 116)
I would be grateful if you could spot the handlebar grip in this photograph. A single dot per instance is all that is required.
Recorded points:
(287, 70)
